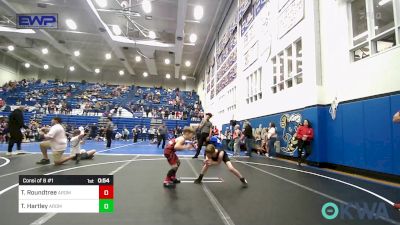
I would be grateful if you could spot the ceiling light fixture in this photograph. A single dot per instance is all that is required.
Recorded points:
(77, 53)
(138, 58)
(45, 66)
(27, 65)
(71, 24)
(101, 3)
(11, 48)
(146, 5)
(193, 38)
(97, 70)
(183, 77)
(168, 76)
(383, 2)
(198, 12)
(121, 72)
(145, 74)
(152, 34)
(45, 51)
(116, 29)
(188, 63)
(72, 68)
(167, 61)
(108, 56)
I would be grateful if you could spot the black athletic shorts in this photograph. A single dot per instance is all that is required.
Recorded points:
(83, 156)
(225, 157)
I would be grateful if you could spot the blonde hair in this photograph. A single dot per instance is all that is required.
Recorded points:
(210, 149)
(188, 130)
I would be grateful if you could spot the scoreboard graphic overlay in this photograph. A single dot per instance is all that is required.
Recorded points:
(66, 194)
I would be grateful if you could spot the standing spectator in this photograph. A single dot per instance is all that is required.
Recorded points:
(228, 138)
(120, 111)
(257, 136)
(125, 134)
(15, 124)
(249, 138)
(162, 132)
(147, 111)
(237, 133)
(93, 131)
(206, 132)
(151, 134)
(55, 139)
(272, 137)
(109, 131)
(304, 136)
(144, 133)
(135, 134)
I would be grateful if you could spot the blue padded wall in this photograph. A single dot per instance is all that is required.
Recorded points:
(362, 135)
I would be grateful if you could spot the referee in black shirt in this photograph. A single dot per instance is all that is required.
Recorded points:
(206, 132)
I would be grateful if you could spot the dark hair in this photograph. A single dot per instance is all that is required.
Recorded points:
(109, 118)
(309, 123)
(76, 132)
(272, 124)
(58, 119)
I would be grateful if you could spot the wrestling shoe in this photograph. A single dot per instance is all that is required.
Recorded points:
(78, 158)
(244, 182)
(175, 180)
(169, 184)
(197, 181)
(8, 154)
(43, 162)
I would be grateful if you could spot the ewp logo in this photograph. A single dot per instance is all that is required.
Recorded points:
(362, 211)
(37, 21)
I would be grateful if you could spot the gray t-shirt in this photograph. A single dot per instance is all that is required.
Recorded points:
(110, 126)
(205, 126)
(162, 130)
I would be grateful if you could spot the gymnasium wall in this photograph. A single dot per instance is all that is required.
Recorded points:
(342, 78)
(298, 96)
(13, 70)
(362, 136)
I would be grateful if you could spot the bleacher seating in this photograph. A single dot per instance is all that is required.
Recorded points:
(73, 120)
(75, 95)
(27, 116)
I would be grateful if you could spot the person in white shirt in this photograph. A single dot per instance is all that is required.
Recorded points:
(56, 140)
(125, 134)
(151, 134)
(81, 129)
(118, 136)
(144, 133)
(76, 152)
